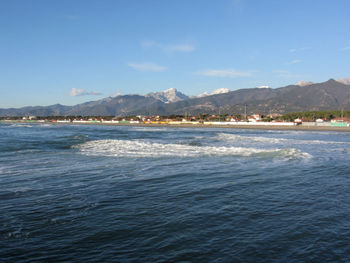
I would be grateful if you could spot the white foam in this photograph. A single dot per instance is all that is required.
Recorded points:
(319, 142)
(235, 137)
(140, 148)
(149, 129)
(21, 125)
(292, 153)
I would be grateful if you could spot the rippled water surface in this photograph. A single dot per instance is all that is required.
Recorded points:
(142, 194)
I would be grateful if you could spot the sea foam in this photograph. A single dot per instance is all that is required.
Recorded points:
(235, 137)
(257, 139)
(141, 148)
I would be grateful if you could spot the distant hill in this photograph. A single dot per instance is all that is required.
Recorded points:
(329, 95)
(112, 106)
(53, 110)
(120, 105)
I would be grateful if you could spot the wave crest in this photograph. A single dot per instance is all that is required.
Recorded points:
(235, 137)
(239, 138)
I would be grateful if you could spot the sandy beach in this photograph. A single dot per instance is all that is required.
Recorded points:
(199, 126)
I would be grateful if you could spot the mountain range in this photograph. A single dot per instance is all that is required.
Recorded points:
(303, 96)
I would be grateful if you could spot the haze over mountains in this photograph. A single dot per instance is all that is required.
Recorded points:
(303, 96)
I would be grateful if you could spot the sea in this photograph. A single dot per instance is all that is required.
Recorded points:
(96, 193)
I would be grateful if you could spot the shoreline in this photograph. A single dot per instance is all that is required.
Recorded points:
(235, 126)
(256, 127)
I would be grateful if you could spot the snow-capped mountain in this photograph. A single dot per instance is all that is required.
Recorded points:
(345, 81)
(167, 96)
(217, 91)
(328, 95)
(303, 83)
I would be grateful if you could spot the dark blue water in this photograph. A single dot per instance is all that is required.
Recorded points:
(131, 194)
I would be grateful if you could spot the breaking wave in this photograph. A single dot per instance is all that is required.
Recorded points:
(235, 137)
(21, 125)
(140, 148)
(149, 129)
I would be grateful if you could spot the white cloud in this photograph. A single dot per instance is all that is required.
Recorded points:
(295, 61)
(292, 50)
(81, 92)
(146, 66)
(168, 48)
(224, 73)
(346, 48)
(179, 48)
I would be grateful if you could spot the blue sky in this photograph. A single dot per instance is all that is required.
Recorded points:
(72, 51)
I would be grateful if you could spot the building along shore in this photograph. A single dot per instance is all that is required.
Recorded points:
(306, 126)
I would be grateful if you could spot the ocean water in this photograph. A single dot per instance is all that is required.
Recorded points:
(91, 193)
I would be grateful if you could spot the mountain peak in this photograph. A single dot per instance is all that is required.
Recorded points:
(167, 96)
(170, 90)
(263, 87)
(217, 91)
(327, 95)
(331, 80)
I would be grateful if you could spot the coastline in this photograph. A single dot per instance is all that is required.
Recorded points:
(186, 125)
(257, 127)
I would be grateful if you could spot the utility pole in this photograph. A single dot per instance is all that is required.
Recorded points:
(245, 111)
(342, 113)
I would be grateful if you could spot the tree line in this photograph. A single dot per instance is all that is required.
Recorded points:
(314, 115)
